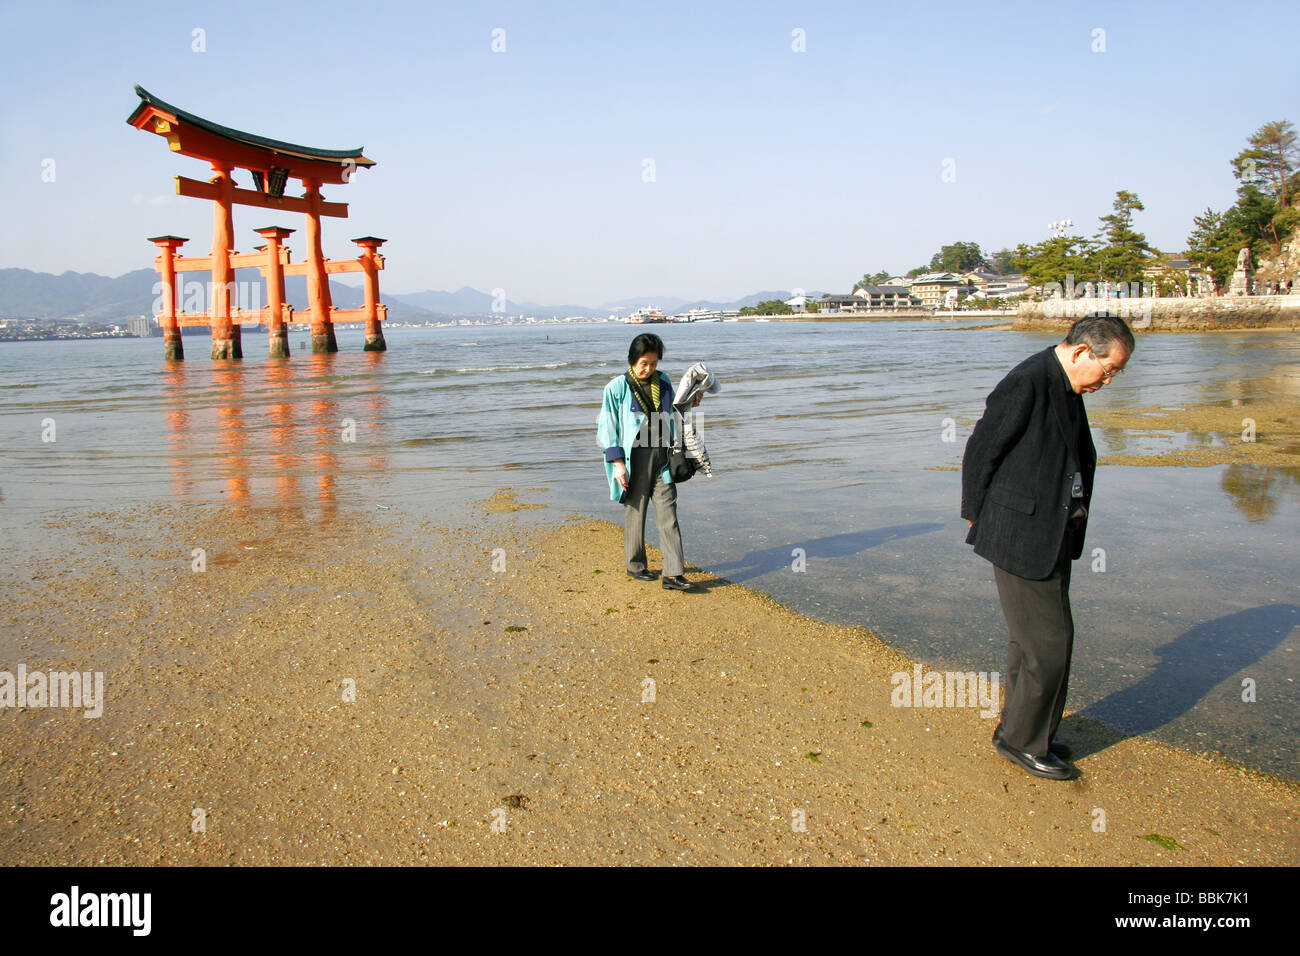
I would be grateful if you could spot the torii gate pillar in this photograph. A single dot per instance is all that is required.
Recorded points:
(276, 258)
(227, 341)
(165, 266)
(318, 282)
(372, 262)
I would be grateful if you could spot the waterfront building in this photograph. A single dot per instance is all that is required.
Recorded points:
(870, 298)
(994, 286)
(143, 327)
(933, 287)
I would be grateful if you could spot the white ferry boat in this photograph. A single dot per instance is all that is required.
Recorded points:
(700, 315)
(645, 314)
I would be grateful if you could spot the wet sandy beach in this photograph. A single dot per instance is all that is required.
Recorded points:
(358, 686)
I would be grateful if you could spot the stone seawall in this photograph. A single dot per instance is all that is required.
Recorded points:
(1171, 314)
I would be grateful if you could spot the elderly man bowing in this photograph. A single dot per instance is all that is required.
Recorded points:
(1026, 487)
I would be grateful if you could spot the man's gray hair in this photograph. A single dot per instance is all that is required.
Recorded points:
(1101, 331)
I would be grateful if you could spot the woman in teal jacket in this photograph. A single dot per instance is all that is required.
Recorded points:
(636, 458)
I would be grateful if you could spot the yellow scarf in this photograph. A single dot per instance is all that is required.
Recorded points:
(653, 382)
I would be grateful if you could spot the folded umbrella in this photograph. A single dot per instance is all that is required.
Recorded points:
(696, 381)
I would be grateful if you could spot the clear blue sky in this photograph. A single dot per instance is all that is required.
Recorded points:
(523, 170)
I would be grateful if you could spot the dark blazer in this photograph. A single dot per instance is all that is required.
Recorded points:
(1018, 468)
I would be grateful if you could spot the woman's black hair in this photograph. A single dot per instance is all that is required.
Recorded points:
(645, 342)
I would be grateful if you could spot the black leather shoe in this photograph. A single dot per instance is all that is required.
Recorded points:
(1057, 747)
(641, 575)
(678, 583)
(1050, 766)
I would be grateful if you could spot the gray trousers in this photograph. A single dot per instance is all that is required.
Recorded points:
(1038, 655)
(645, 482)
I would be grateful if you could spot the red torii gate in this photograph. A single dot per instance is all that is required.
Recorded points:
(271, 163)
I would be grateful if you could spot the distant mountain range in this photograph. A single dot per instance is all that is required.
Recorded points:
(89, 297)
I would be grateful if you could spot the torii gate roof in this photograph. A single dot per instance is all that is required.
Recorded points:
(194, 136)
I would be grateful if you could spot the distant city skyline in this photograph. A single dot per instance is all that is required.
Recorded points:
(585, 153)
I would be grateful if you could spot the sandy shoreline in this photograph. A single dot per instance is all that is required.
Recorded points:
(502, 716)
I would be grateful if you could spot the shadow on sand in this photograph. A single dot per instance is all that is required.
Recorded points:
(760, 562)
(1190, 667)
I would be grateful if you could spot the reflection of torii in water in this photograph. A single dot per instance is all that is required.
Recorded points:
(271, 164)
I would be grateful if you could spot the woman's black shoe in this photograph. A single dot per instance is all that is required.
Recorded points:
(641, 575)
(678, 583)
